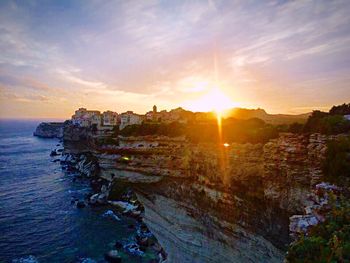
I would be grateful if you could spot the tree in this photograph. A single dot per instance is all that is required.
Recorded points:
(343, 109)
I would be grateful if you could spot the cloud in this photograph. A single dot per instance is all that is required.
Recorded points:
(128, 52)
(74, 79)
(23, 98)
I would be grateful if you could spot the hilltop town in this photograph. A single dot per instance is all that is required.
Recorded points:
(108, 119)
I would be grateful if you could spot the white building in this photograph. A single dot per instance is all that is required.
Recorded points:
(110, 118)
(347, 117)
(129, 118)
(86, 118)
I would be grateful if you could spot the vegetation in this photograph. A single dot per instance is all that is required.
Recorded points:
(169, 129)
(326, 242)
(332, 122)
(343, 109)
(336, 165)
(233, 130)
(330, 240)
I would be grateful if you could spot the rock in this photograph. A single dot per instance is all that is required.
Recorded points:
(142, 241)
(104, 189)
(134, 249)
(96, 184)
(98, 199)
(111, 214)
(157, 247)
(327, 187)
(134, 214)
(125, 207)
(49, 130)
(118, 245)
(81, 204)
(93, 199)
(144, 228)
(162, 255)
(113, 256)
(102, 199)
(301, 223)
(53, 153)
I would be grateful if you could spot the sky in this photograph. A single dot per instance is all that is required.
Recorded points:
(282, 56)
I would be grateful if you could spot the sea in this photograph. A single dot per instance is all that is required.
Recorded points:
(38, 221)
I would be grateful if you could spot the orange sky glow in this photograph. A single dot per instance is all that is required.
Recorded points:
(282, 56)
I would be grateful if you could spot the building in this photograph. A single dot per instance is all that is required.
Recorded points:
(347, 117)
(152, 115)
(129, 118)
(86, 118)
(178, 114)
(110, 118)
(154, 109)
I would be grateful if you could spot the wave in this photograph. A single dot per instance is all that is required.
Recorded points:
(86, 260)
(110, 213)
(27, 259)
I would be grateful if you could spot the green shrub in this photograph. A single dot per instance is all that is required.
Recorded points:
(332, 122)
(296, 127)
(328, 241)
(233, 130)
(336, 166)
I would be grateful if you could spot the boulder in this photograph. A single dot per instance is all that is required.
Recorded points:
(93, 199)
(53, 153)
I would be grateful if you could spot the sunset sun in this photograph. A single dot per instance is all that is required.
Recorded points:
(213, 100)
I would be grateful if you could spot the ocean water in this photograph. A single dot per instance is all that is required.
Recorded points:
(37, 220)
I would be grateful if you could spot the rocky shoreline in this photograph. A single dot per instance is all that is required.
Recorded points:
(122, 204)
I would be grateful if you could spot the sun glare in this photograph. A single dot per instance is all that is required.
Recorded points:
(214, 100)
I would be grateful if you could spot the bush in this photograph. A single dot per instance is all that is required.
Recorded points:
(328, 241)
(343, 109)
(169, 129)
(296, 127)
(329, 123)
(336, 166)
(233, 130)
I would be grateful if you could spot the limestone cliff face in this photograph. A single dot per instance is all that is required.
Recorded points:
(214, 203)
(78, 139)
(49, 130)
(292, 164)
(190, 235)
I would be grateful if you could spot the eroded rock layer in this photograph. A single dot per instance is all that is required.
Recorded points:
(215, 203)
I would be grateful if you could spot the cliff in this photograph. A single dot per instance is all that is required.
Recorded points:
(49, 130)
(214, 203)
